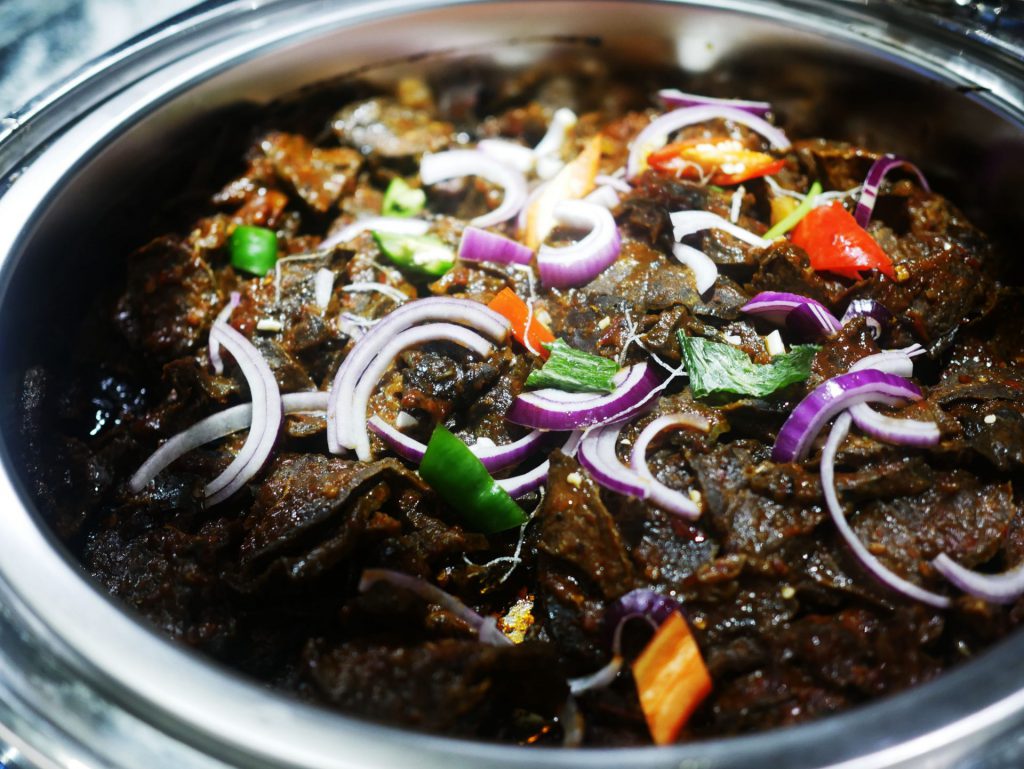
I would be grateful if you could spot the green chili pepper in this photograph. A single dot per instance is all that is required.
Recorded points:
(463, 482)
(423, 253)
(798, 213)
(253, 249)
(402, 200)
(574, 371)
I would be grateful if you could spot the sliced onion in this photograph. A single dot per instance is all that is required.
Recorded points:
(1005, 587)
(432, 594)
(642, 603)
(521, 485)
(673, 97)
(599, 679)
(828, 399)
(617, 183)
(394, 224)
(872, 564)
(551, 409)
(363, 391)
(685, 223)
(597, 455)
(214, 427)
(898, 362)
(213, 346)
(670, 499)
(904, 432)
(877, 316)
(705, 271)
(493, 457)
(554, 138)
(877, 172)
(340, 432)
(584, 260)
(380, 288)
(812, 321)
(266, 415)
(509, 153)
(657, 132)
(604, 196)
(479, 245)
(323, 286)
(453, 164)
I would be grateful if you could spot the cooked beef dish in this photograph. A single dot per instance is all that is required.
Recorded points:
(546, 418)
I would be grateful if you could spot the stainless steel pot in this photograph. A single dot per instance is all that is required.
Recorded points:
(84, 684)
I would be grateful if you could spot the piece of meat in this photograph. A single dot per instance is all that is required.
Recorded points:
(381, 126)
(319, 176)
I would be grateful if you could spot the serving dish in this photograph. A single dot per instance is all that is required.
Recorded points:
(84, 679)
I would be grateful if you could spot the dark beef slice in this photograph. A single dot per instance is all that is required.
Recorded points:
(169, 302)
(382, 126)
(320, 176)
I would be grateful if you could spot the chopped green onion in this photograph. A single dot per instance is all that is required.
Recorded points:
(423, 253)
(461, 480)
(402, 200)
(721, 370)
(794, 217)
(574, 371)
(253, 249)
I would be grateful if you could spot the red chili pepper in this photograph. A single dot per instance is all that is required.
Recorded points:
(532, 336)
(721, 160)
(836, 243)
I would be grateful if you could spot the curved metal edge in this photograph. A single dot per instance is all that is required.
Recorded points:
(753, 747)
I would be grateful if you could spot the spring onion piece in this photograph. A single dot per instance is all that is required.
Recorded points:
(363, 391)
(721, 370)
(214, 427)
(673, 97)
(267, 413)
(705, 271)
(453, 164)
(877, 316)
(340, 427)
(464, 483)
(670, 499)
(253, 249)
(402, 200)
(530, 481)
(323, 286)
(877, 172)
(1005, 587)
(494, 457)
(432, 594)
(213, 346)
(800, 314)
(685, 223)
(584, 260)
(479, 245)
(426, 254)
(829, 398)
(671, 679)
(794, 217)
(556, 410)
(835, 509)
(574, 371)
(657, 132)
(376, 224)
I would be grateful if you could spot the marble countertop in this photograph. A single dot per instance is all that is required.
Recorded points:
(42, 41)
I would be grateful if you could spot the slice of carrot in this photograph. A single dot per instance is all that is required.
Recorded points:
(527, 330)
(671, 679)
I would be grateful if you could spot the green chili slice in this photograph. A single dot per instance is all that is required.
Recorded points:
(253, 249)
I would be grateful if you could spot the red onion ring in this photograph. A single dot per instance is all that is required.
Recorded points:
(457, 163)
(877, 316)
(685, 223)
(479, 245)
(494, 458)
(485, 320)
(363, 390)
(267, 411)
(670, 499)
(213, 346)
(872, 564)
(705, 271)
(508, 153)
(551, 409)
(828, 399)
(877, 172)
(213, 427)
(904, 432)
(584, 260)
(1005, 587)
(597, 455)
(394, 224)
(657, 132)
(673, 97)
